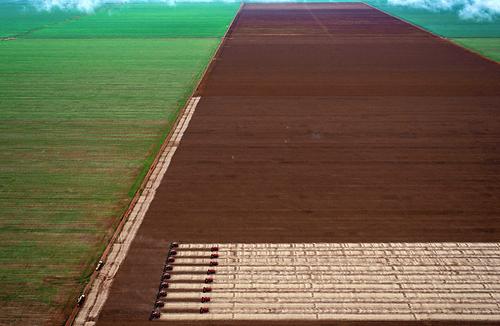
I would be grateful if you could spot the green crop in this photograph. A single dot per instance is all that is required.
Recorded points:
(19, 18)
(489, 47)
(147, 21)
(85, 104)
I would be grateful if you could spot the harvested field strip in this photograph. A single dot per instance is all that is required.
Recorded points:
(331, 281)
(100, 288)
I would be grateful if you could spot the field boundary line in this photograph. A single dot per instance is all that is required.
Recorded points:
(100, 289)
(87, 314)
(199, 88)
(443, 39)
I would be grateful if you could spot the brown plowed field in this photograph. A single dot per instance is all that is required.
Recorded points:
(325, 123)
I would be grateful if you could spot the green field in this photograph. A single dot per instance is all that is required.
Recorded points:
(19, 18)
(128, 20)
(83, 111)
(488, 47)
(443, 23)
(482, 37)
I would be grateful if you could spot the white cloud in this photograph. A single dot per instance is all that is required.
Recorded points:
(467, 9)
(85, 5)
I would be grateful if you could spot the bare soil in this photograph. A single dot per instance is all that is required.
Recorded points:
(325, 123)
